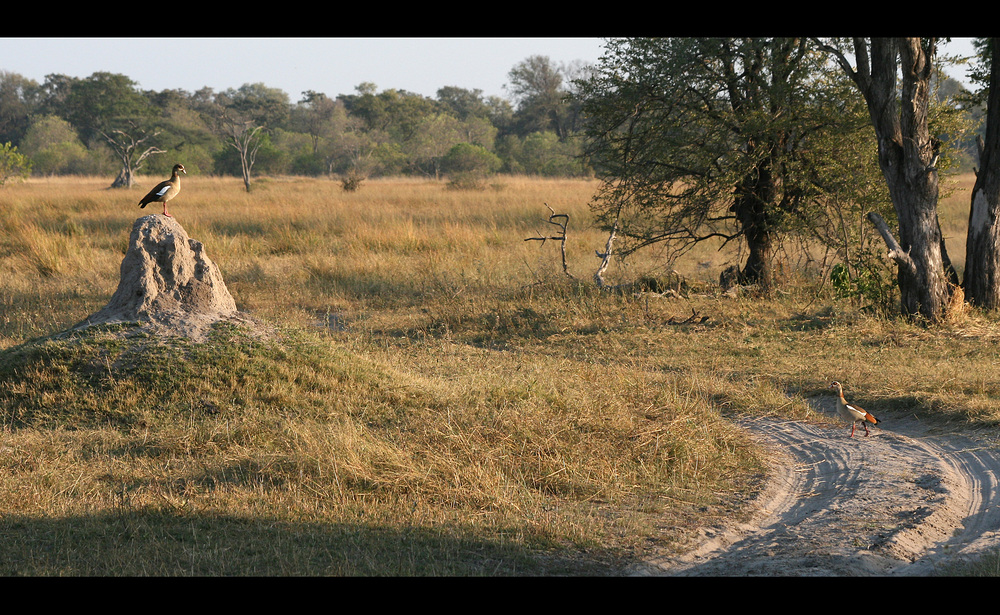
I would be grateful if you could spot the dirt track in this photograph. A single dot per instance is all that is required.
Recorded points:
(902, 502)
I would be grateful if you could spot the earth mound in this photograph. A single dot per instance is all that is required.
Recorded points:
(168, 284)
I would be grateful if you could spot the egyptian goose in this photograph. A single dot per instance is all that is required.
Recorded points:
(850, 412)
(165, 190)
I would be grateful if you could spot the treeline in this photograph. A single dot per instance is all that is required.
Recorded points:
(104, 124)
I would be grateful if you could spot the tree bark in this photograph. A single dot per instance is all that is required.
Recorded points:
(906, 154)
(751, 213)
(982, 251)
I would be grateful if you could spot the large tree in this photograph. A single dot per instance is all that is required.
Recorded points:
(894, 75)
(982, 249)
(697, 138)
(108, 108)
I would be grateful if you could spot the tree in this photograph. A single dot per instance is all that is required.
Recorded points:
(19, 100)
(538, 87)
(13, 164)
(54, 148)
(102, 102)
(701, 138)
(131, 149)
(108, 107)
(244, 136)
(240, 117)
(314, 115)
(469, 165)
(982, 252)
(894, 77)
(462, 103)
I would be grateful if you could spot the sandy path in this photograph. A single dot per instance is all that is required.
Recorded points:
(903, 501)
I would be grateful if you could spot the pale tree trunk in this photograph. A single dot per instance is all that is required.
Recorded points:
(907, 153)
(126, 145)
(982, 250)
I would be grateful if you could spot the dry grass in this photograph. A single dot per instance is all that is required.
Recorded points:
(439, 399)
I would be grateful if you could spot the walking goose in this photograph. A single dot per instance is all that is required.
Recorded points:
(165, 190)
(850, 412)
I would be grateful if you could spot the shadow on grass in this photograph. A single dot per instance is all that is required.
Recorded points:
(163, 543)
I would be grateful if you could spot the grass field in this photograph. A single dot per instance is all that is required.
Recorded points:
(438, 399)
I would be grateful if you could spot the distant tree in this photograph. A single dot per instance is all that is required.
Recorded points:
(13, 165)
(264, 105)
(104, 102)
(183, 132)
(538, 87)
(107, 108)
(314, 115)
(131, 147)
(54, 148)
(19, 101)
(244, 136)
(501, 115)
(436, 134)
(398, 113)
(469, 164)
(463, 103)
(240, 117)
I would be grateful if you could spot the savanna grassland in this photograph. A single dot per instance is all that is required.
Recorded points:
(436, 397)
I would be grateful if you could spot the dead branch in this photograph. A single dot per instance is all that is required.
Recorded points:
(561, 221)
(896, 253)
(690, 319)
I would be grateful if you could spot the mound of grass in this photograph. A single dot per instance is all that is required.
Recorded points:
(165, 456)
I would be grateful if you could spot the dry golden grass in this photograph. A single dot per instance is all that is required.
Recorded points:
(440, 399)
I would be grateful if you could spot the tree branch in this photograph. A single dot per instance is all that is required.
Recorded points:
(561, 237)
(896, 253)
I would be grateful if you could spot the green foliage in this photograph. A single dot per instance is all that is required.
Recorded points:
(690, 149)
(871, 284)
(101, 102)
(466, 158)
(54, 147)
(270, 159)
(544, 154)
(13, 165)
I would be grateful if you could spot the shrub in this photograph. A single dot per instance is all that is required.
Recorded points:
(469, 165)
(13, 165)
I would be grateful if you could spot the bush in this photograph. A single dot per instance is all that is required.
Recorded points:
(13, 165)
(469, 165)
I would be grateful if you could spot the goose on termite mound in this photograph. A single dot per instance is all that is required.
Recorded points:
(165, 190)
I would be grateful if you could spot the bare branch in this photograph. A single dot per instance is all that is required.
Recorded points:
(561, 237)
(896, 253)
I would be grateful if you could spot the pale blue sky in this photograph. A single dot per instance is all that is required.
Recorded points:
(329, 65)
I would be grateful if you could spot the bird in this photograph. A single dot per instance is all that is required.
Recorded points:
(851, 412)
(165, 190)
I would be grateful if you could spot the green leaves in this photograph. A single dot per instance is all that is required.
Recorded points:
(13, 165)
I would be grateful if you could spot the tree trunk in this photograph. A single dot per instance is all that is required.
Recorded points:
(907, 153)
(245, 169)
(754, 196)
(760, 242)
(982, 251)
(124, 179)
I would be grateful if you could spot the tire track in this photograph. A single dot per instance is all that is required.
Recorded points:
(901, 502)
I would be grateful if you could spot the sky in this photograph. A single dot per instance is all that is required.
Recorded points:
(297, 64)
(329, 65)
